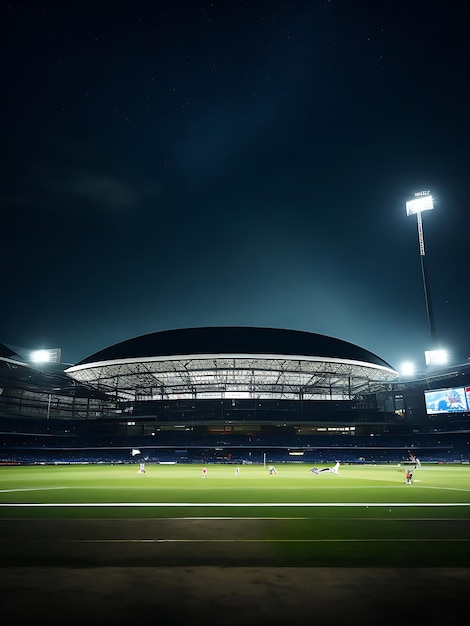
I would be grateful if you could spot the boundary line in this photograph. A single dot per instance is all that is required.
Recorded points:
(355, 540)
(229, 504)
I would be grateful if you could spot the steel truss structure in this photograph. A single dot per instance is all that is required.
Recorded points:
(236, 376)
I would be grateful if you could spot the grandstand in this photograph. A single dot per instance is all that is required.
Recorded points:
(223, 395)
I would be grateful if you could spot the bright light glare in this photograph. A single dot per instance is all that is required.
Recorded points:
(41, 356)
(436, 357)
(422, 203)
(407, 369)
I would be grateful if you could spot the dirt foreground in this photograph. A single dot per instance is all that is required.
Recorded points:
(232, 595)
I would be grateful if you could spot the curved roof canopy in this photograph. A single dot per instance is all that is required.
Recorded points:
(233, 362)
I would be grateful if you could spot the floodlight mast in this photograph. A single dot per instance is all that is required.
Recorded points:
(423, 202)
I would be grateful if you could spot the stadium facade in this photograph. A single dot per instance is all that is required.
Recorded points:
(215, 389)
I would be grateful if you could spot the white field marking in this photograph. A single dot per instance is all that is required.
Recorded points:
(233, 518)
(275, 519)
(31, 489)
(443, 488)
(230, 504)
(403, 540)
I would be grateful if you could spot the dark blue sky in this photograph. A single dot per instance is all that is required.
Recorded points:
(179, 164)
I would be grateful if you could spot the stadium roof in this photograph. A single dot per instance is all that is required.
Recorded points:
(235, 340)
(242, 362)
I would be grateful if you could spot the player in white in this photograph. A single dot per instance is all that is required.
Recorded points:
(317, 471)
(237, 471)
(142, 468)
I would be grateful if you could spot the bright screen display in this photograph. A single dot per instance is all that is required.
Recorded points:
(453, 400)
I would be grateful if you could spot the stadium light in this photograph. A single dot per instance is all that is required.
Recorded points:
(407, 369)
(423, 201)
(436, 357)
(40, 356)
(49, 355)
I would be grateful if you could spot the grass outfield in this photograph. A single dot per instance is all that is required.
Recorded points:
(365, 516)
(184, 484)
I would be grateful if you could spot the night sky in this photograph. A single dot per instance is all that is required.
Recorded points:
(171, 164)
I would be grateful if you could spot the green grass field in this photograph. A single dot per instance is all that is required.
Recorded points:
(364, 516)
(81, 536)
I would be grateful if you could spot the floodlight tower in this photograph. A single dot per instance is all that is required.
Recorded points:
(423, 202)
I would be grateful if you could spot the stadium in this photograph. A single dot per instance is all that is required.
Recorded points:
(226, 395)
(85, 534)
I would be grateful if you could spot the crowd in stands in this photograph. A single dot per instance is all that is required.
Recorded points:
(171, 447)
